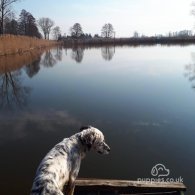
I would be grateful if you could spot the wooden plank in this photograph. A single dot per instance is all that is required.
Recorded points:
(104, 186)
(127, 183)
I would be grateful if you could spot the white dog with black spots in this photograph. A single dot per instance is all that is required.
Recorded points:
(61, 165)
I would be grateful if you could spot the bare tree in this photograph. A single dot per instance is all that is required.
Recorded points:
(107, 30)
(5, 9)
(56, 32)
(46, 24)
(76, 31)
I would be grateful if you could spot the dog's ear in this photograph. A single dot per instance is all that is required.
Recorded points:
(85, 127)
(88, 138)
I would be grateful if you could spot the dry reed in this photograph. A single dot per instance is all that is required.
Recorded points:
(11, 44)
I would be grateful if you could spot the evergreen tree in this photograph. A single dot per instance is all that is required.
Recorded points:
(27, 25)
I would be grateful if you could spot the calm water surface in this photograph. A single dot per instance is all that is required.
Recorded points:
(142, 98)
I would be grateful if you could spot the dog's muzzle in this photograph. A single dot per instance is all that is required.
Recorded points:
(106, 149)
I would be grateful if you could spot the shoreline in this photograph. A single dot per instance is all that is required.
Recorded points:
(14, 44)
(70, 42)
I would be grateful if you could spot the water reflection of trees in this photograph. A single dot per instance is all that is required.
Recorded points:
(30, 61)
(48, 59)
(12, 92)
(33, 68)
(14, 62)
(190, 71)
(77, 54)
(58, 54)
(108, 52)
(51, 57)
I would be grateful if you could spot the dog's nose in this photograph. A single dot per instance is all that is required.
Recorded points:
(108, 149)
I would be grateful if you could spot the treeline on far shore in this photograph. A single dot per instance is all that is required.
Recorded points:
(132, 41)
(11, 44)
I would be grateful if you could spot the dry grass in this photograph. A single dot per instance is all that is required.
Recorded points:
(10, 44)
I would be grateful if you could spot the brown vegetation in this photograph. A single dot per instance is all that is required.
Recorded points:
(10, 44)
(14, 62)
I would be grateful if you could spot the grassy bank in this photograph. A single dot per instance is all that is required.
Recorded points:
(10, 44)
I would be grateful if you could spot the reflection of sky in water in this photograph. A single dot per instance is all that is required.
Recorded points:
(138, 96)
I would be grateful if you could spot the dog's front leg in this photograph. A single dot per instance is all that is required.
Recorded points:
(70, 187)
(76, 161)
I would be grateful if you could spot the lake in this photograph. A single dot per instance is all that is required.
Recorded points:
(142, 98)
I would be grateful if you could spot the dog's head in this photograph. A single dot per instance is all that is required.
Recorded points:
(94, 138)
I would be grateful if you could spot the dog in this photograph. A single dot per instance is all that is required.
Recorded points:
(61, 165)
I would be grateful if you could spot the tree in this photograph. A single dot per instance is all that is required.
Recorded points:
(135, 34)
(56, 32)
(96, 36)
(76, 31)
(32, 29)
(46, 24)
(27, 25)
(10, 24)
(107, 30)
(11, 27)
(23, 18)
(5, 9)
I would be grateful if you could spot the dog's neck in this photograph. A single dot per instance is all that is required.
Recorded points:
(84, 147)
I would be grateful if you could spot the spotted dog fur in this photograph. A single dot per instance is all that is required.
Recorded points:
(61, 165)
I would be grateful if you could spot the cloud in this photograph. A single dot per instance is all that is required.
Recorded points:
(20, 125)
(146, 124)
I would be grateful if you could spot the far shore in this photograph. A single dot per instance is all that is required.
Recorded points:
(10, 44)
(98, 42)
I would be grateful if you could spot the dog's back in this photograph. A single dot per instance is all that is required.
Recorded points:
(51, 176)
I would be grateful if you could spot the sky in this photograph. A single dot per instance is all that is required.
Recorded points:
(147, 17)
